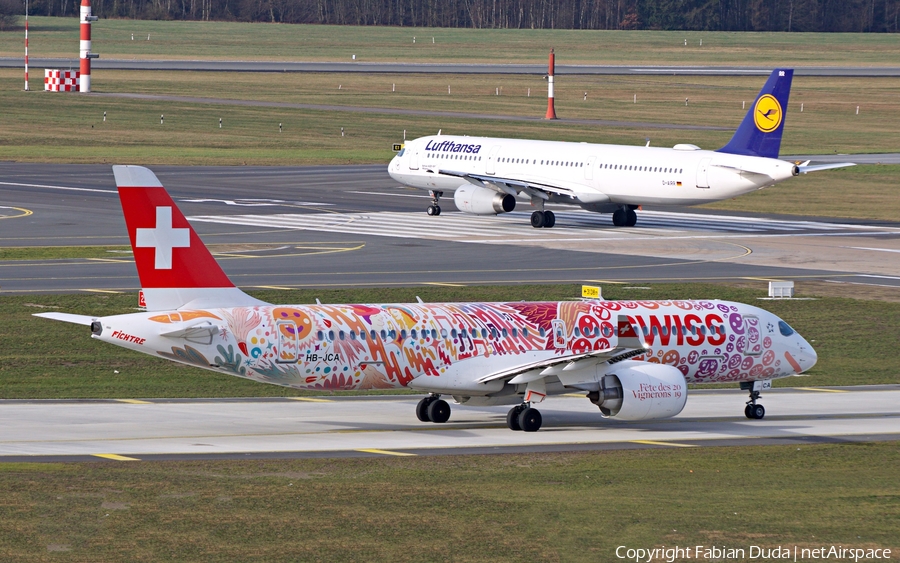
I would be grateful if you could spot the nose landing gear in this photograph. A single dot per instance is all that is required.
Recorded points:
(754, 410)
(434, 209)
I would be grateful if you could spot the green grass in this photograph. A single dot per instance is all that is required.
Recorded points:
(539, 507)
(63, 252)
(58, 37)
(855, 339)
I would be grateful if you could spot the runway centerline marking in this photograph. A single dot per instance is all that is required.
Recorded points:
(386, 452)
(116, 457)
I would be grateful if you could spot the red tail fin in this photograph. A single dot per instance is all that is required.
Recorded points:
(172, 261)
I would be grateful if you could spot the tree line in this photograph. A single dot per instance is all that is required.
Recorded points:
(699, 15)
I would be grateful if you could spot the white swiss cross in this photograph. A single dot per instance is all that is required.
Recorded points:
(163, 238)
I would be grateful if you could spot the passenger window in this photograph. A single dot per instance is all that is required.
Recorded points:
(373, 334)
(362, 335)
(413, 333)
(504, 333)
(433, 333)
(383, 334)
(352, 335)
(403, 334)
(525, 332)
(453, 333)
(341, 334)
(577, 331)
(393, 334)
(515, 333)
(320, 335)
(484, 333)
(443, 333)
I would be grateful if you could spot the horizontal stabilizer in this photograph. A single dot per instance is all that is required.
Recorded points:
(68, 318)
(817, 167)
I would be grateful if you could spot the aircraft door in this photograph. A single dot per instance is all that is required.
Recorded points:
(703, 173)
(287, 342)
(589, 170)
(414, 158)
(491, 159)
(752, 340)
(559, 333)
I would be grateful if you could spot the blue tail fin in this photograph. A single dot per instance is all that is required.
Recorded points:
(760, 131)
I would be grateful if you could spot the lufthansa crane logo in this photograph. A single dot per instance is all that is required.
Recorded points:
(767, 113)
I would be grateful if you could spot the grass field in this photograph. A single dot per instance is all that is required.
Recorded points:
(58, 37)
(543, 507)
(44, 127)
(855, 339)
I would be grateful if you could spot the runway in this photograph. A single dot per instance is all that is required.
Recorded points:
(346, 226)
(385, 426)
(443, 68)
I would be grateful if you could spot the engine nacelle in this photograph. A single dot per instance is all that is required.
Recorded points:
(482, 201)
(641, 391)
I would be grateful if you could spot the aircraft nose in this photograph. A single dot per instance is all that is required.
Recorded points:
(806, 354)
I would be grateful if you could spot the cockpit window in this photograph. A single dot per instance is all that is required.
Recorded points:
(401, 152)
(785, 328)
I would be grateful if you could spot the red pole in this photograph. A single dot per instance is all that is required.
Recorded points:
(85, 46)
(551, 111)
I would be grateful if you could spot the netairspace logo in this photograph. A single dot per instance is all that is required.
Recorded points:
(753, 552)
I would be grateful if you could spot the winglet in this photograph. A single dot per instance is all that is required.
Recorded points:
(760, 132)
(174, 266)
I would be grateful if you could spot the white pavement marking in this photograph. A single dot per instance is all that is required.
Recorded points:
(515, 228)
(390, 425)
(58, 187)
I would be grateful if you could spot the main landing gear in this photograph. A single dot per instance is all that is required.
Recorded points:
(624, 217)
(754, 410)
(524, 417)
(433, 409)
(543, 219)
(434, 209)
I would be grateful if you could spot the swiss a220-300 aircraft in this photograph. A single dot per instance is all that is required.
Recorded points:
(633, 359)
(487, 175)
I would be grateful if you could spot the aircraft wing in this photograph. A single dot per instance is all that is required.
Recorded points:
(68, 318)
(509, 186)
(553, 366)
(806, 169)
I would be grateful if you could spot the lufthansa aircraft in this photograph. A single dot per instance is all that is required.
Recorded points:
(633, 359)
(489, 174)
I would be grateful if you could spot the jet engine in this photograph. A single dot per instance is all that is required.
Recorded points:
(482, 201)
(641, 391)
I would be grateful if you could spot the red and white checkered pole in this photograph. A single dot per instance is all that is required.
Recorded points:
(85, 46)
(551, 111)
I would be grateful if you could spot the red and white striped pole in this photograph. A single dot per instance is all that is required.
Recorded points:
(551, 111)
(85, 46)
(26, 45)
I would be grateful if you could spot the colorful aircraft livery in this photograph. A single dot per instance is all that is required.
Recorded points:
(633, 359)
(488, 176)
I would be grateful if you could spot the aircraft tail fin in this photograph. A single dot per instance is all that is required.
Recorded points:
(175, 267)
(760, 132)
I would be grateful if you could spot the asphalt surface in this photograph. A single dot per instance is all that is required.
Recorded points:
(442, 68)
(347, 226)
(387, 426)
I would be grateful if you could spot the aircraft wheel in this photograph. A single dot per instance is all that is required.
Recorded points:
(537, 219)
(747, 412)
(422, 409)
(549, 219)
(630, 218)
(431, 210)
(512, 417)
(439, 411)
(530, 420)
(619, 219)
(437, 210)
(757, 412)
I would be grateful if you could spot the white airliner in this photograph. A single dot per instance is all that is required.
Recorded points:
(487, 175)
(633, 359)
